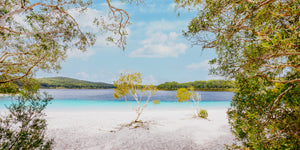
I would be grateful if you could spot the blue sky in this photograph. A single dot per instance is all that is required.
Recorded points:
(155, 47)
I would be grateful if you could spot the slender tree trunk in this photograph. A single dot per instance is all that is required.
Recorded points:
(138, 116)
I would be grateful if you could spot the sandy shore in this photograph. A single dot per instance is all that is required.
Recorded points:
(3, 95)
(167, 130)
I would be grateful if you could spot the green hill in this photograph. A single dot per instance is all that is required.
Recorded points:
(70, 83)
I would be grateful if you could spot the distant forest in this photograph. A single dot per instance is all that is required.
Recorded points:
(69, 83)
(210, 85)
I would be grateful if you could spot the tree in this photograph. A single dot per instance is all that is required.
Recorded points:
(219, 85)
(131, 84)
(25, 127)
(184, 94)
(35, 35)
(257, 43)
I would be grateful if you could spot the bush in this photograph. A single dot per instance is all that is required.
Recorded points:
(25, 126)
(203, 114)
(261, 122)
(156, 101)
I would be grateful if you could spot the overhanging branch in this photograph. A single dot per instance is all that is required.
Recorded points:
(26, 74)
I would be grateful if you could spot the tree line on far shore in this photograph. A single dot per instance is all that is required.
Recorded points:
(210, 85)
(70, 83)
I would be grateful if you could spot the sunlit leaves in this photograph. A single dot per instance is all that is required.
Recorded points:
(156, 101)
(45, 31)
(248, 36)
(187, 95)
(24, 127)
(257, 43)
(183, 95)
(130, 84)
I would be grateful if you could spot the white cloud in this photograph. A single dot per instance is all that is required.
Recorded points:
(21, 19)
(150, 79)
(147, 7)
(83, 75)
(173, 35)
(162, 25)
(85, 19)
(105, 76)
(76, 53)
(154, 8)
(100, 76)
(204, 65)
(160, 45)
(172, 6)
(161, 39)
(114, 4)
(216, 77)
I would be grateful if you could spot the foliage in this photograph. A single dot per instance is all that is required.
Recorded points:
(261, 122)
(156, 101)
(24, 127)
(203, 114)
(69, 83)
(257, 43)
(36, 35)
(10, 88)
(210, 85)
(185, 95)
(29, 84)
(131, 84)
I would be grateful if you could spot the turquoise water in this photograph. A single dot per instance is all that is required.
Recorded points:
(102, 99)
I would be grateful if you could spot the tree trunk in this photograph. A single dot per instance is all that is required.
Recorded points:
(138, 115)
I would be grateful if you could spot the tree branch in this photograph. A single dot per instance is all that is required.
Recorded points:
(26, 74)
(121, 24)
(56, 7)
(277, 81)
(277, 101)
(283, 66)
(280, 96)
(6, 55)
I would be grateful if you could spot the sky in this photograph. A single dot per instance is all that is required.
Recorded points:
(155, 47)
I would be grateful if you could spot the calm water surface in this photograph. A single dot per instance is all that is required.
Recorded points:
(103, 99)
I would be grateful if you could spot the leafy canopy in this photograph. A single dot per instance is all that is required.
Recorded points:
(35, 35)
(25, 126)
(130, 84)
(258, 45)
(183, 95)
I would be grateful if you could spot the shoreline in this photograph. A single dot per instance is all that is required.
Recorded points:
(5, 95)
(166, 129)
(207, 90)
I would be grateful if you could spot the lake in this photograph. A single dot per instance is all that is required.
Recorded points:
(103, 99)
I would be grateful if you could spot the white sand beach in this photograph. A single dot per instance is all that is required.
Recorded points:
(167, 130)
(3, 95)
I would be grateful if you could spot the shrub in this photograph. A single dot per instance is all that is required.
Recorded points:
(156, 101)
(203, 114)
(185, 95)
(25, 126)
(131, 84)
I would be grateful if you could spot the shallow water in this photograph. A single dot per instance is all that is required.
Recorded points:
(103, 99)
